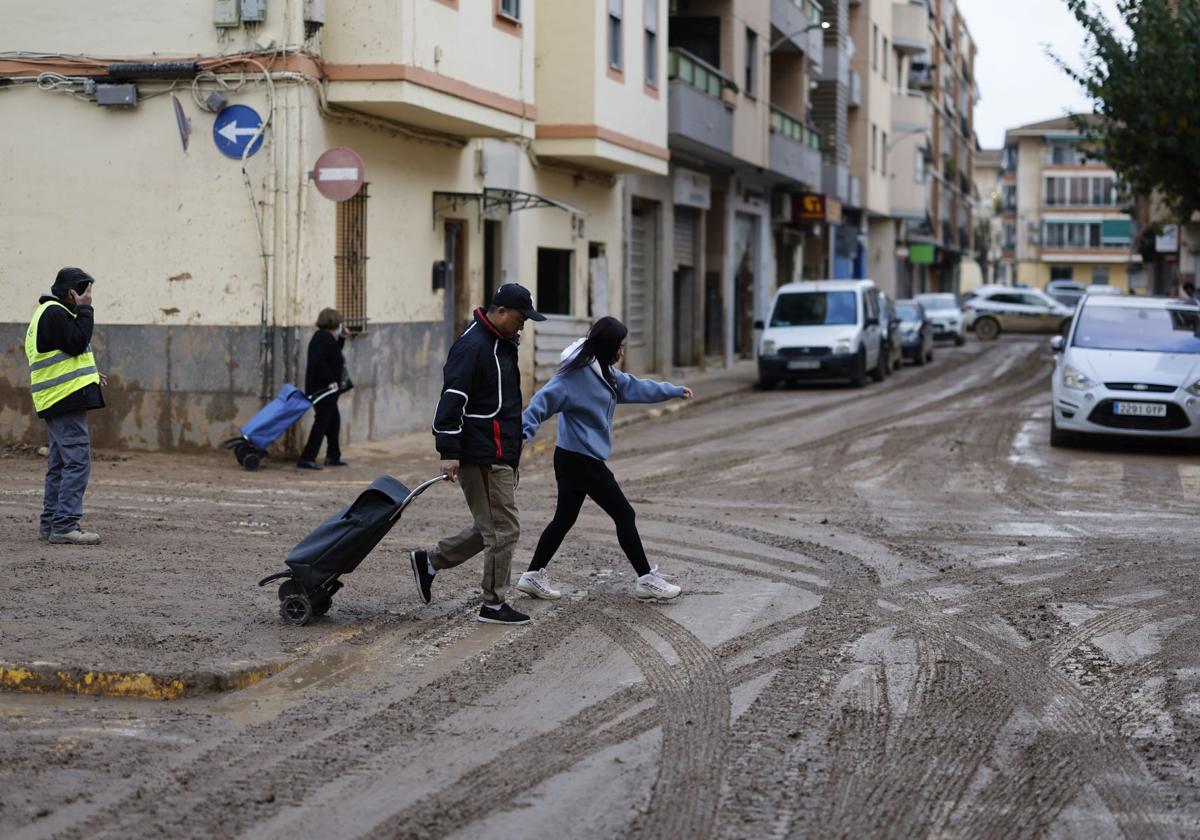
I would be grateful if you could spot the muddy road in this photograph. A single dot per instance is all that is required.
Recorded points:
(904, 616)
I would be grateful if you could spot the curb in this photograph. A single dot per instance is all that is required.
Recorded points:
(52, 678)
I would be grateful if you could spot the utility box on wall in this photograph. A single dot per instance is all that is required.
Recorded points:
(254, 11)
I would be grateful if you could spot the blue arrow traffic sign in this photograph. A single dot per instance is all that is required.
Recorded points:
(233, 129)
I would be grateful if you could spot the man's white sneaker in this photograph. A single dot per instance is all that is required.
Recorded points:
(652, 587)
(537, 584)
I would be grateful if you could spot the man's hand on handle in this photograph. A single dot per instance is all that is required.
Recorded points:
(450, 468)
(687, 393)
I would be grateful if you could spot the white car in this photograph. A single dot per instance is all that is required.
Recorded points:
(946, 316)
(1101, 289)
(822, 329)
(1128, 366)
(990, 310)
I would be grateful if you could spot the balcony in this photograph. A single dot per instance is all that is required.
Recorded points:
(910, 26)
(374, 65)
(855, 89)
(795, 150)
(700, 106)
(910, 112)
(790, 19)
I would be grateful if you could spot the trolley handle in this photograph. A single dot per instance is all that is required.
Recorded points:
(327, 392)
(421, 488)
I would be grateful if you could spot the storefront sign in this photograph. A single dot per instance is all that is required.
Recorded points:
(920, 253)
(808, 207)
(1167, 242)
(692, 189)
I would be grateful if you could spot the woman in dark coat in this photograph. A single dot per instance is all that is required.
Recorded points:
(324, 371)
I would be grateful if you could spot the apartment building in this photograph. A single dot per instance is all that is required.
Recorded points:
(494, 137)
(989, 226)
(1062, 216)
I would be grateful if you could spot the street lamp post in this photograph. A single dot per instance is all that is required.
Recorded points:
(822, 25)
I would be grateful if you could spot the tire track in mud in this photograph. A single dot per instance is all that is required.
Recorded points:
(265, 767)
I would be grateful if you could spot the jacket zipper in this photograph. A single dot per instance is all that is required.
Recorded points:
(496, 435)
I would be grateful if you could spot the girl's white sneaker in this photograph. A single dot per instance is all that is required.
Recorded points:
(537, 584)
(652, 587)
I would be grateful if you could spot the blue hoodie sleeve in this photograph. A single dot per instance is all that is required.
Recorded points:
(630, 389)
(544, 405)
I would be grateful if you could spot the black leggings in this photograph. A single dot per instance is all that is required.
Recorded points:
(326, 424)
(576, 484)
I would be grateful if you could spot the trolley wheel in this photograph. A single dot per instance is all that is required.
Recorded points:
(290, 587)
(321, 604)
(296, 609)
(252, 460)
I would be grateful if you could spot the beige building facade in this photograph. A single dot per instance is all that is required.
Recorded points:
(1062, 215)
(494, 143)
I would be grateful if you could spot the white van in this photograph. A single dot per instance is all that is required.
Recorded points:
(822, 329)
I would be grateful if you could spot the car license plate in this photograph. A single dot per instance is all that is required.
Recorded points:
(1140, 409)
(804, 364)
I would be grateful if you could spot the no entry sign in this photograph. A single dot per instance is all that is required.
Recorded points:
(339, 174)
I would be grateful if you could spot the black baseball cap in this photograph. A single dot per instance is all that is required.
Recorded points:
(515, 296)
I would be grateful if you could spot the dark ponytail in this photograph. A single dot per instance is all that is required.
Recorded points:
(602, 345)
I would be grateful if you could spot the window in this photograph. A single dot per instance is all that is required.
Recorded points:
(616, 13)
(1062, 272)
(350, 261)
(650, 23)
(751, 62)
(511, 9)
(814, 309)
(554, 281)
(874, 143)
(1100, 275)
(1010, 236)
(885, 57)
(883, 162)
(874, 47)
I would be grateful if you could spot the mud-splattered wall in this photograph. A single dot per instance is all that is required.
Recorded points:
(191, 387)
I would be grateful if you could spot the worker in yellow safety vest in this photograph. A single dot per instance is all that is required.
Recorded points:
(65, 385)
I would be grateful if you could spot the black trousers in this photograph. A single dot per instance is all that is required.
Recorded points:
(580, 477)
(326, 424)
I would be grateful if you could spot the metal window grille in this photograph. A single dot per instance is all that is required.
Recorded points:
(350, 259)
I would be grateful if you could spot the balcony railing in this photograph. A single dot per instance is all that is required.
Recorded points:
(698, 73)
(786, 125)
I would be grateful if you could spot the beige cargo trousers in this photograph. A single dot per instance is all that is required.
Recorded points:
(491, 493)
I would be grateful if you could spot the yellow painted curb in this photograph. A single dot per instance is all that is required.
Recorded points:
(49, 678)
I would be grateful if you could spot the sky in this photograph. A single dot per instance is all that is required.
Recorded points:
(1018, 83)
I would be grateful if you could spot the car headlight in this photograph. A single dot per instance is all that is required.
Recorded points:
(768, 348)
(1072, 378)
(1194, 388)
(844, 345)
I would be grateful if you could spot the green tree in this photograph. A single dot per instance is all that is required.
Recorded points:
(1145, 92)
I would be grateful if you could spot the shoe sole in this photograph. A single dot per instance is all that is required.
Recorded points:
(500, 620)
(537, 593)
(645, 596)
(412, 561)
(53, 541)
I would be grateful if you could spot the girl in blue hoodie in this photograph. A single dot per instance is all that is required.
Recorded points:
(584, 394)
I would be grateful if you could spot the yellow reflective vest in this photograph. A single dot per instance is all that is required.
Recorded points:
(56, 375)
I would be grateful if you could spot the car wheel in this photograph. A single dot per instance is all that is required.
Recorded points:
(1059, 438)
(988, 329)
(859, 377)
(959, 340)
(767, 383)
(880, 369)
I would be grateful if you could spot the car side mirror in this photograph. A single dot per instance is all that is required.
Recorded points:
(1057, 343)
(759, 325)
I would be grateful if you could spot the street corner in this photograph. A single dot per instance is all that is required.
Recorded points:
(170, 684)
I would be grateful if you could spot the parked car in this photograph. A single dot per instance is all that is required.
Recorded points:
(889, 322)
(946, 316)
(1128, 366)
(916, 331)
(1066, 292)
(822, 329)
(991, 310)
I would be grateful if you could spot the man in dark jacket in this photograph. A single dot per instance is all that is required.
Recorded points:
(478, 429)
(65, 385)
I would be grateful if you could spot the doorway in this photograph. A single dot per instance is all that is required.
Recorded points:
(491, 260)
(642, 291)
(456, 303)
